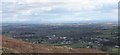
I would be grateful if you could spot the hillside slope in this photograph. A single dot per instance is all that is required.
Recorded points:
(18, 46)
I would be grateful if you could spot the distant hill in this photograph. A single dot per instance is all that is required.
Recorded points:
(18, 46)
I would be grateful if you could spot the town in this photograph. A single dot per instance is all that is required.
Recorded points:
(76, 36)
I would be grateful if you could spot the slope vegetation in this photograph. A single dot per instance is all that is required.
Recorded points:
(18, 46)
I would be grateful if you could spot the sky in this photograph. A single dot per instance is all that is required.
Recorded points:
(58, 11)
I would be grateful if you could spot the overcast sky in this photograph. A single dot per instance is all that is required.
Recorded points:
(58, 11)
